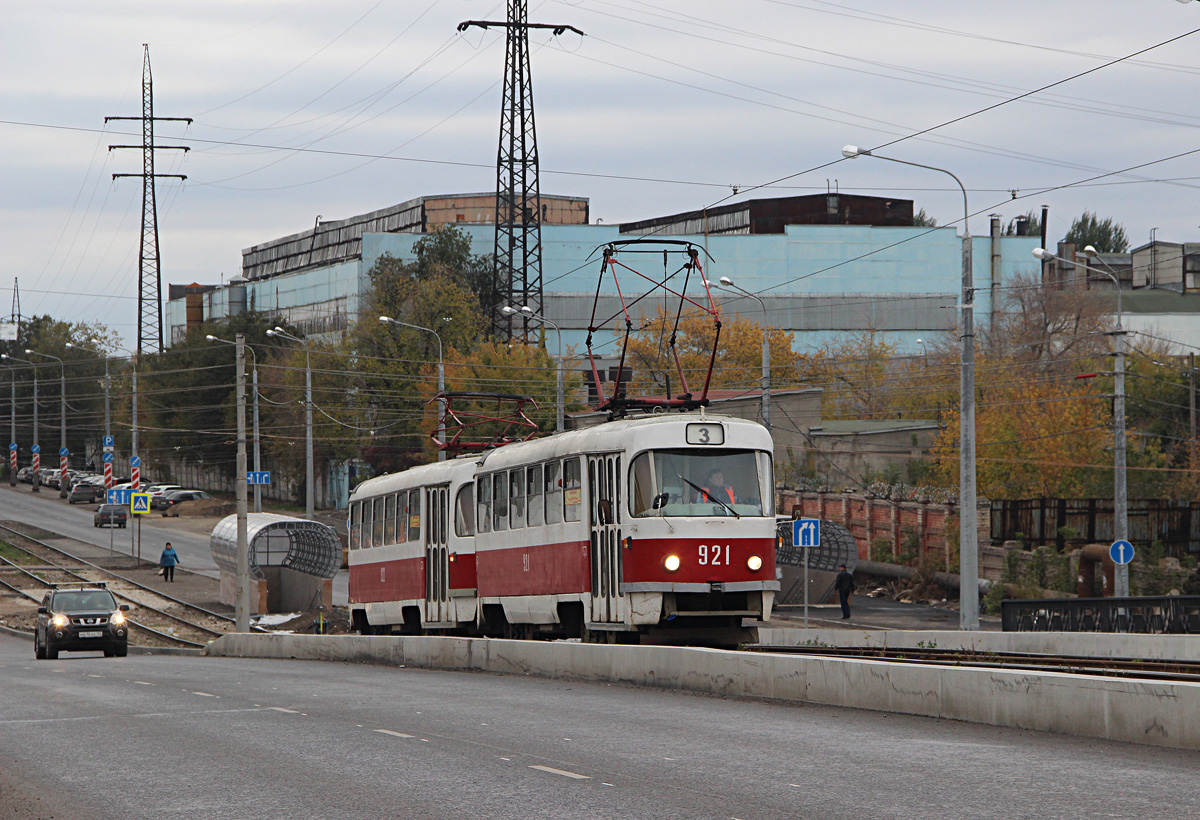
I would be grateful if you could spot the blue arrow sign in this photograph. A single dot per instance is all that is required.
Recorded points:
(135, 461)
(63, 451)
(806, 532)
(263, 477)
(119, 496)
(139, 503)
(12, 446)
(1121, 552)
(108, 457)
(37, 448)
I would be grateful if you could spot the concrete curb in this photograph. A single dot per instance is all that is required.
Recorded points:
(1149, 712)
(133, 650)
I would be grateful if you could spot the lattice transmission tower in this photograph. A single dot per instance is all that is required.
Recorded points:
(149, 332)
(517, 255)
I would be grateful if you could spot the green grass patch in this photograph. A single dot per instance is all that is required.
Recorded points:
(15, 555)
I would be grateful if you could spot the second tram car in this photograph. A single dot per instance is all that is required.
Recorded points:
(660, 527)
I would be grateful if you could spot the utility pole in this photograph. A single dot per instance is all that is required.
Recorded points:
(242, 613)
(150, 333)
(517, 257)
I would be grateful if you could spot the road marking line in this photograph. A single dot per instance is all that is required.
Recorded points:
(95, 676)
(145, 683)
(281, 709)
(205, 695)
(552, 770)
(393, 734)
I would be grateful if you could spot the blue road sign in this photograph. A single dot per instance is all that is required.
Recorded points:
(263, 477)
(119, 496)
(108, 458)
(135, 461)
(806, 532)
(12, 446)
(110, 441)
(63, 451)
(1121, 552)
(139, 503)
(37, 448)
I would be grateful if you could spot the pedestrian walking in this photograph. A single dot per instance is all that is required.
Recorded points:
(844, 584)
(168, 560)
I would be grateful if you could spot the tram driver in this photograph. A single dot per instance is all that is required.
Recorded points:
(715, 487)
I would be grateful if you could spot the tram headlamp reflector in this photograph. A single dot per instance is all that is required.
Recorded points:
(671, 563)
(754, 563)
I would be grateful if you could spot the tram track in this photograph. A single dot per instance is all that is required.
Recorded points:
(159, 618)
(1163, 670)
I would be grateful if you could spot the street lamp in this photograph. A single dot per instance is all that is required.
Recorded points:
(1120, 496)
(308, 427)
(766, 351)
(924, 352)
(254, 395)
(107, 411)
(559, 409)
(12, 411)
(36, 475)
(968, 535)
(63, 489)
(441, 428)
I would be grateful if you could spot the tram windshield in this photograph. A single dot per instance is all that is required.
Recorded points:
(694, 482)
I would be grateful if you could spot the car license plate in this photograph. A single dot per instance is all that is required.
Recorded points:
(91, 634)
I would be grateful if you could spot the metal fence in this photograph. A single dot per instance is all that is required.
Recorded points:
(1168, 614)
(1047, 521)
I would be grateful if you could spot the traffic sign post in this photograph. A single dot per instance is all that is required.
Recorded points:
(806, 532)
(121, 496)
(37, 461)
(63, 453)
(12, 458)
(263, 477)
(1121, 552)
(135, 464)
(108, 479)
(139, 503)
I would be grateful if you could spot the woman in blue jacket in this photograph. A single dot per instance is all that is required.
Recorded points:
(167, 561)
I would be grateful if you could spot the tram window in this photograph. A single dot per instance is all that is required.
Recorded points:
(464, 511)
(401, 518)
(499, 502)
(377, 522)
(572, 490)
(553, 487)
(365, 524)
(516, 496)
(414, 515)
(483, 506)
(352, 526)
(389, 523)
(533, 491)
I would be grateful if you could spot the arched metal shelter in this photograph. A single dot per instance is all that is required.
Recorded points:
(278, 541)
(838, 546)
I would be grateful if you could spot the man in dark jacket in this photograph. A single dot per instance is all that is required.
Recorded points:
(844, 584)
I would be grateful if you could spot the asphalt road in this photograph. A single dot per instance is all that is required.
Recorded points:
(161, 737)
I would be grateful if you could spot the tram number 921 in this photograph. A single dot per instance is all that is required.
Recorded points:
(714, 555)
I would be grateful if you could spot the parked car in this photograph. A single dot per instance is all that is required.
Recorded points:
(25, 474)
(168, 501)
(86, 619)
(84, 492)
(157, 490)
(110, 515)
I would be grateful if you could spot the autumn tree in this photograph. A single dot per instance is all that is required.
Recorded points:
(1029, 223)
(1104, 234)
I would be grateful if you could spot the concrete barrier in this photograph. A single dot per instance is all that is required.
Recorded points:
(1086, 644)
(1150, 712)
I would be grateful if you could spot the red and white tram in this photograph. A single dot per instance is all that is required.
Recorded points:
(661, 526)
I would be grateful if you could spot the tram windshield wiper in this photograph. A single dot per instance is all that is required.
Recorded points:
(707, 494)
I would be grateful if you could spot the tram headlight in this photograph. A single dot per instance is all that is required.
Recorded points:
(671, 563)
(754, 563)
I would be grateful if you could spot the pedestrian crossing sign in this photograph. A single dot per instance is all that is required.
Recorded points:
(139, 503)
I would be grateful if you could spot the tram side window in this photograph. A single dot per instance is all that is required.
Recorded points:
(516, 496)
(499, 502)
(414, 515)
(389, 523)
(553, 493)
(365, 524)
(464, 511)
(352, 526)
(377, 522)
(483, 506)
(533, 491)
(572, 490)
(401, 517)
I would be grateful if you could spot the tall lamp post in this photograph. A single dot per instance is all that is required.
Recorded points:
(12, 420)
(35, 476)
(559, 401)
(308, 425)
(254, 400)
(766, 350)
(388, 320)
(1120, 496)
(968, 534)
(63, 489)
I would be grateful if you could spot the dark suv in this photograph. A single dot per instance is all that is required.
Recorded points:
(109, 515)
(82, 619)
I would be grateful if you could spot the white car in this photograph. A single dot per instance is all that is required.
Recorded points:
(157, 490)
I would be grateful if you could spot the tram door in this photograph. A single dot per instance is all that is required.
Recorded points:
(437, 558)
(604, 510)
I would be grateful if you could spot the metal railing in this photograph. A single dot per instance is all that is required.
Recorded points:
(1167, 614)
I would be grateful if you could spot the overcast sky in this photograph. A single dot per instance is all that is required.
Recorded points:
(306, 107)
